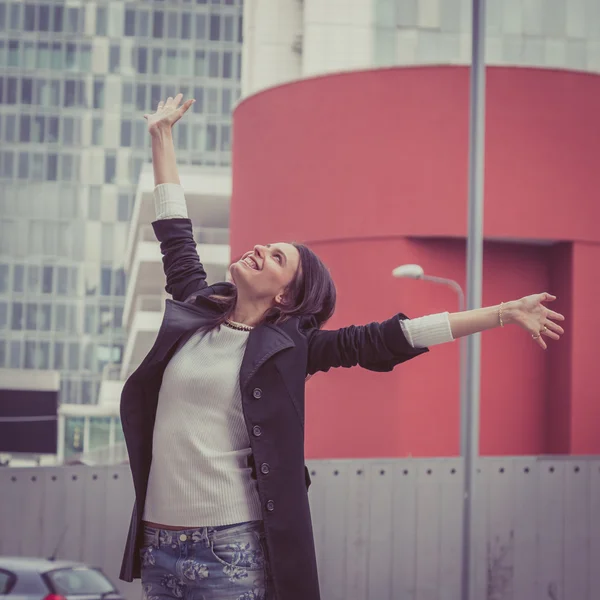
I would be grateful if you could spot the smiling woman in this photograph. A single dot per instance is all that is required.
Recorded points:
(214, 416)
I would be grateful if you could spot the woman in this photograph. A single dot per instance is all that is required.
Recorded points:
(214, 416)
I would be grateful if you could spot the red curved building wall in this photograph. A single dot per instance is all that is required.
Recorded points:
(370, 169)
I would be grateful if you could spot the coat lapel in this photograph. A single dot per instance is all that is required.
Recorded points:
(264, 341)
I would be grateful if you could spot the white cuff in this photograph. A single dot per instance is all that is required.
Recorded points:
(427, 331)
(169, 201)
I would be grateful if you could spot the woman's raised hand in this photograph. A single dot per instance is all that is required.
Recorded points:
(167, 113)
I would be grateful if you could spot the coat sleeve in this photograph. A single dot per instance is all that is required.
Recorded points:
(183, 269)
(376, 346)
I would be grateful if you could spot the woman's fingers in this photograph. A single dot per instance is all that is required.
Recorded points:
(554, 327)
(555, 315)
(186, 105)
(551, 334)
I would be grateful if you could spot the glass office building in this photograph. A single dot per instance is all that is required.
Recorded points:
(75, 81)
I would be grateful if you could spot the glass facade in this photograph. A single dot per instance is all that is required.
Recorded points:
(75, 80)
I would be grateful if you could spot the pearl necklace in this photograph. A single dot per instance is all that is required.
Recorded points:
(237, 326)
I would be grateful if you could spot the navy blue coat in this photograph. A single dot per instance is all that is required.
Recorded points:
(276, 362)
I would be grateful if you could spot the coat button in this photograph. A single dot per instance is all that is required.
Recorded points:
(270, 506)
(265, 468)
(257, 393)
(257, 431)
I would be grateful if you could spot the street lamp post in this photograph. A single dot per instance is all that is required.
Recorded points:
(417, 272)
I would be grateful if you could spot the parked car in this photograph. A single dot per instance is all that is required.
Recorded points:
(24, 578)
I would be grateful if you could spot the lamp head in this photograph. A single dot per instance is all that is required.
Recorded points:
(409, 271)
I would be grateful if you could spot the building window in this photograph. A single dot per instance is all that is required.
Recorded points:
(212, 102)
(74, 20)
(126, 133)
(172, 65)
(25, 129)
(43, 56)
(200, 63)
(17, 316)
(101, 20)
(215, 28)
(211, 138)
(7, 161)
(59, 356)
(228, 65)
(143, 23)
(59, 14)
(172, 21)
(44, 18)
(123, 210)
(33, 279)
(186, 26)
(110, 168)
(19, 279)
(201, 27)
(37, 167)
(4, 276)
(56, 56)
(70, 97)
(97, 132)
(68, 131)
(127, 95)
(28, 55)
(15, 17)
(85, 58)
(69, 167)
(226, 102)
(38, 130)
(15, 354)
(73, 356)
(228, 33)
(129, 22)
(98, 94)
(23, 165)
(157, 61)
(47, 279)
(114, 59)
(140, 96)
(29, 24)
(27, 91)
(11, 90)
(52, 167)
(13, 53)
(157, 24)
(142, 60)
(105, 281)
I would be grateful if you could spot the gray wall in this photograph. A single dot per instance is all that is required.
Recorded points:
(384, 529)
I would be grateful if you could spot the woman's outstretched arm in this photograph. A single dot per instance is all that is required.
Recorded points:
(183, 269)
(529, 313)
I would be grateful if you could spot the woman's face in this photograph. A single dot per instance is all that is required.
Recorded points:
(265, 272)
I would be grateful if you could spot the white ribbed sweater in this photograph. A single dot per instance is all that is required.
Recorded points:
(199, 474)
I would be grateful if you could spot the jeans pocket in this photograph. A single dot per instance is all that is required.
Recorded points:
(241, 551)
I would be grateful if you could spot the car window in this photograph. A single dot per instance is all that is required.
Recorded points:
(78, 581)
(7, 581)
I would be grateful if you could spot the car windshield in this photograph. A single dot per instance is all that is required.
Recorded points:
(79, 581)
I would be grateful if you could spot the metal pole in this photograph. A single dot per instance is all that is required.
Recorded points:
(470, 420)
(464, 428)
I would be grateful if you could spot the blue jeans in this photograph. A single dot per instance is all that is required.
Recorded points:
(209, 563)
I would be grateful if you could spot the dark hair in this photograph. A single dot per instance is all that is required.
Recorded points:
(311, 293)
